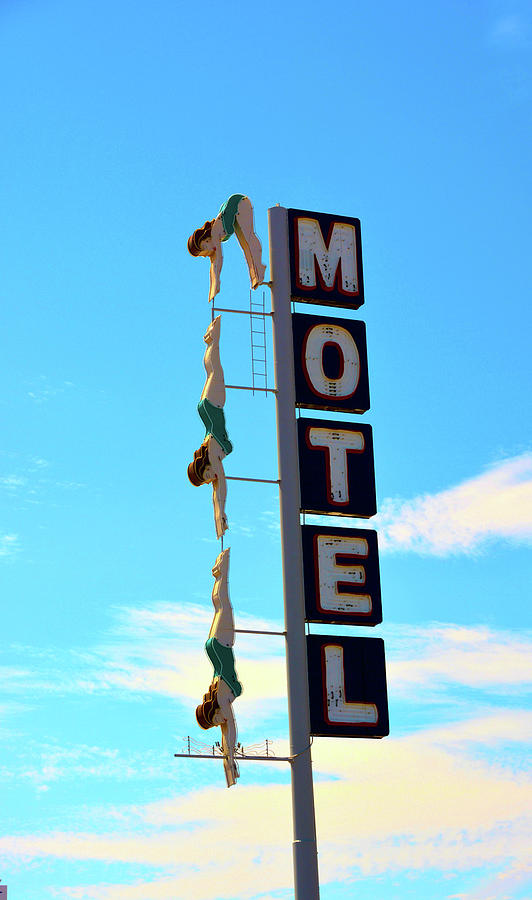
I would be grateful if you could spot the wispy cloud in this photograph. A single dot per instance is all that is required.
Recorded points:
(496, 505)
(42, 764)
(428, 800)
(26, 482)
(146, 656)
(422, 803)
(12, 482)
(503, 886)
(435, 657)
(509, 31)
(157, 651)
(9, 545)
(502, 726)
(41, 390)
(265, 523)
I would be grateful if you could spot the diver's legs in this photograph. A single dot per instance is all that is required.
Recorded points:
(223, 626)
(214, 390)
(248, 240)
(212, 335)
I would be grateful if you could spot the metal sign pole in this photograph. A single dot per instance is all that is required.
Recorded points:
(304, 845)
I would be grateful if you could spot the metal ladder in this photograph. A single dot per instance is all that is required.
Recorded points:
(257, 327)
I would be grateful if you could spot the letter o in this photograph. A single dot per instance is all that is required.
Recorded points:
(316, 341)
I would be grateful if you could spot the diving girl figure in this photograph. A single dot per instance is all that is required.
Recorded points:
(207, 466)
(225, 687)
(235, 215)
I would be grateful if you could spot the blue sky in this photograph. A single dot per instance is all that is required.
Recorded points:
(123, 127)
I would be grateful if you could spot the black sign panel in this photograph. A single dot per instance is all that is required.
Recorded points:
(347, 686)
(330, 363)
(341, 573)
(325, 259)
(336, 469)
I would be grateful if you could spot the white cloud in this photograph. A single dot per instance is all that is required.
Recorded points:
(433, 799)
(42, 764)
(12, 482)
(423, 658)
(37, 462)
(163, 654)
(42, 390)
(503, 886)
(9, 545)
(408, 804)
(506, 726)
(158, 650)
(492, 506)
(27, 482)
(509, 31)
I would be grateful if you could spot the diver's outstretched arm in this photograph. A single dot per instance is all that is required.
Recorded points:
(216, 267)
(228, 746)
(219, 496)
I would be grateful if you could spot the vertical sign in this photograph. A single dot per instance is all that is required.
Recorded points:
(347, 678)
(336, 685)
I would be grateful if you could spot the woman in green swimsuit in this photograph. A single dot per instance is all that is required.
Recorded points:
(207, 465)
(217, 708)
(235, 216)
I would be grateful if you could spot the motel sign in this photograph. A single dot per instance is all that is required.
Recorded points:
(347, 679)
(336, 684)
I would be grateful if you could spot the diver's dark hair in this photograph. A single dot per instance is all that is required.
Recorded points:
(206, 710)
(198, 465)
(200, 234)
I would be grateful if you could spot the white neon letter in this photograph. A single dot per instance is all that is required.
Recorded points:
(317, 338)
(337, 444)
(341, 251)
(330, 573)
(338, 708)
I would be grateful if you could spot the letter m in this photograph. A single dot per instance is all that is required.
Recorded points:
(334, 262)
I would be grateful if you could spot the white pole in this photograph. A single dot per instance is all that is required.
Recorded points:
(304, 844)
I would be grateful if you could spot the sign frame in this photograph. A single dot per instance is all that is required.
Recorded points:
(308, 394)
(321, 293)
(356, 495)
(364, 674)
(368, 585)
